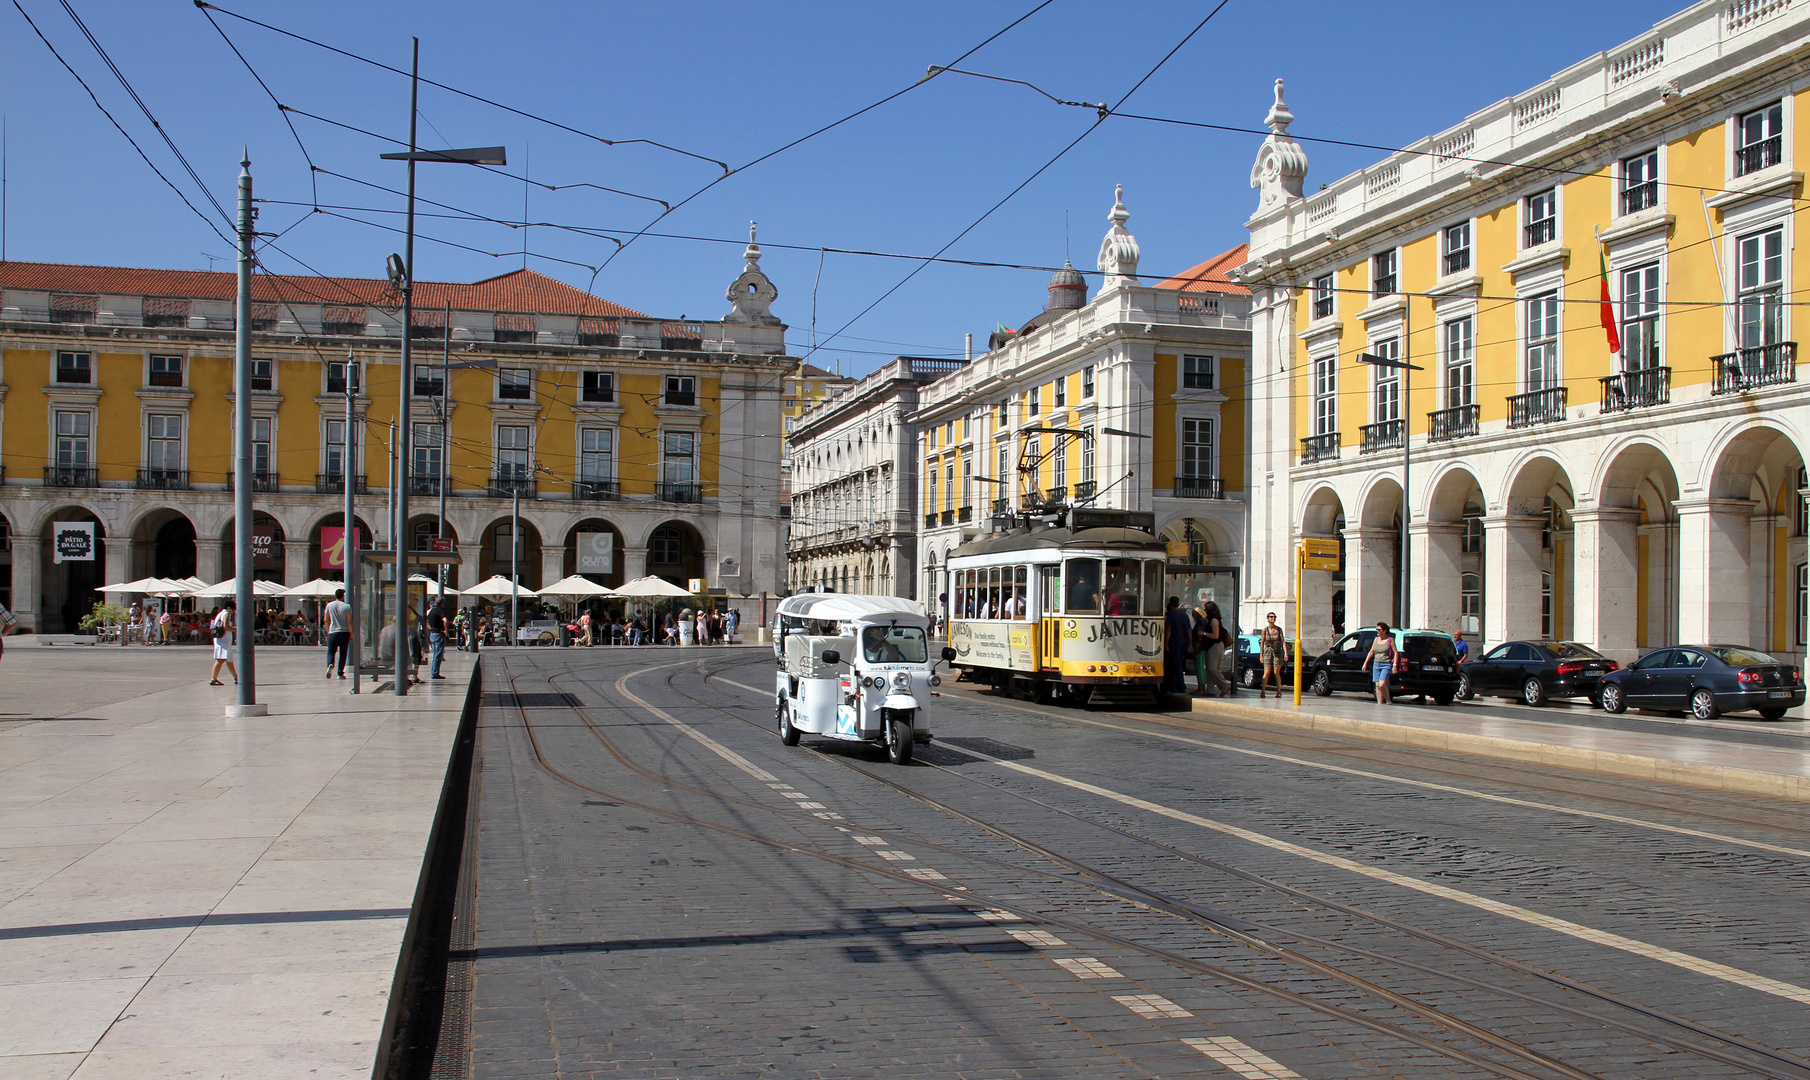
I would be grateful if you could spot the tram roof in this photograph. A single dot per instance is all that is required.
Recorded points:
(840, 606)
(1033, 539)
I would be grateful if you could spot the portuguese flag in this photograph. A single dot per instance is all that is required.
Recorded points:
(1608, 306)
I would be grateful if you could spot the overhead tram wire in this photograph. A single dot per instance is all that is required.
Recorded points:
(211, 223)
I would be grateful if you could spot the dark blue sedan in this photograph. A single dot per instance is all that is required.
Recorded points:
(1707, 680)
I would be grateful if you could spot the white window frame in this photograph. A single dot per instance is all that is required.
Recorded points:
(1059, 392)
(1325, 394)
(1194, 464)
(270, 378)
(1748, 289)
(515, 378)
(515, 471)
(427, 451)
(329, 448)
(587, 454)
(679, 384)
(182, 370)
(86, 436)
(1535, 322)
(1087, 455)
(56, 368)
(344, 367)
(157, 433)
(1320, 294)
(1206, 368)
(1641, 309)
(1447, 249)
(266, 426)
(1737, 134)
(1087, 381)
(1386, 383)
(1528, 220)
(670, 462)
(1458, 361)
(1650, 159)
(1390, 260)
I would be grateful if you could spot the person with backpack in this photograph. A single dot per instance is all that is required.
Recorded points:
(223, 627)
(1178, 633)
(1218, 638)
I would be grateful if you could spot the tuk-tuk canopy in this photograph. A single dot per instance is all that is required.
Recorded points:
(841, 607)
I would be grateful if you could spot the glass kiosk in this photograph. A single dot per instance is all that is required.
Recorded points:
(373, 599)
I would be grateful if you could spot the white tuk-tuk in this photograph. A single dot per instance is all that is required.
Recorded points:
(856, 668)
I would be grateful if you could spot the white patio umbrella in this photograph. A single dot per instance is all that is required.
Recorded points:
(320, 588)
(230, 587)
(500, 588)
(576, 587)
(151, 586)
(651, 587)
(433, 587)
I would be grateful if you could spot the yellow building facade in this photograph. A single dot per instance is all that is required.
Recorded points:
(1554, 487)
(117, 399)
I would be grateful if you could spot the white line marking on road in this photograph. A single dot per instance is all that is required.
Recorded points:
(996, 915)
(1154, 1006)
(870, 841)
(896, 856)
(1659, 953)
(699, 737)
(924, 873)
(1247, 1062)
(810, 806)
(1038, 938)
(1085, 967)
(827, 816)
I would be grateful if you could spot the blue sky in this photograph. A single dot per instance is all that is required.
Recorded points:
(732, 82)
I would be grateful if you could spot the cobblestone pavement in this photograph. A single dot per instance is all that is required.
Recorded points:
(665, 889)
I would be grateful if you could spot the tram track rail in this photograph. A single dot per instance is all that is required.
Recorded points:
(1734, 1051)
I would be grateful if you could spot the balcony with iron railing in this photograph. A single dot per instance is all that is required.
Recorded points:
(1536, 407)
(263, 482)
(596, 489)
(71, 476)
(1752, 368)
(1457, 422)
(1055, 495)
(1638, 197)
(509, 485)
(964, 514)
(1002, 507)
(1385, 435)
(1759, 155)
(679, 491)
(424, 485)
(1539, 231)
(335, 484)
(930, 520)
(1638, 389)
(163, 479)
(948, 517)
(1084, 489)
(1317, 448)
(1200, 487)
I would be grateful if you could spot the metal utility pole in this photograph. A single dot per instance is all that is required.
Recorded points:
(445, 422)
(348, 537)
(1406, 369)
(515, 558)
(244, 620)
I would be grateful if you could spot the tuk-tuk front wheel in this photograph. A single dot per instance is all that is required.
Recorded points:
(899, 739)
(787, 733)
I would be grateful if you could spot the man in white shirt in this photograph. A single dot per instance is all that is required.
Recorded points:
(337, 615)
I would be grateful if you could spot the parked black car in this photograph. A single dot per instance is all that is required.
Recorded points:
(1536, 670)
(1250, 662)
(1708, 680)
(1426, 663)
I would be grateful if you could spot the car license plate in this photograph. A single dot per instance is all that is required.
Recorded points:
(1778, 694)
(1432, 667)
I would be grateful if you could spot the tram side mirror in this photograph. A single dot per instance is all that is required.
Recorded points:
(831, 656)
(949, 654)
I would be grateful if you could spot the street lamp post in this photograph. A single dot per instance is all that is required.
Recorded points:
(403, 274)
(1406, 405)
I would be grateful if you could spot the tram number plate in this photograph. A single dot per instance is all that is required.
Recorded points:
(1779, 693)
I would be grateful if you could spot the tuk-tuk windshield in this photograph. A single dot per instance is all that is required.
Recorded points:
(893, 645)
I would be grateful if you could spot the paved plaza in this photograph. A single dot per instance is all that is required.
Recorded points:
(183, 895)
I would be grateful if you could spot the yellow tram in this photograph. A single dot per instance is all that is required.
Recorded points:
(1061, 610)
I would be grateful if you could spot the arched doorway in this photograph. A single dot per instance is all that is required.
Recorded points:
(1530, 582)
(675, 552)
(322, 559)
(613, 576)
(1373, 574)
(70, 589)
(1203, 575)
(1627, 561)
(1448, 558)
(269, 556)
(1748, 583)
(497, 555)
(1322, 614)
(6, 563)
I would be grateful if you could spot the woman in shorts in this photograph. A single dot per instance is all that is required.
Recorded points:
(1381, 661)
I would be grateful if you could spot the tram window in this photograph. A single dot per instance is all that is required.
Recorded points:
(992, 607)
(967, 594)
(1046, 585)
(1153, 588)
(1083, 578)
(1005, 593)
(1124, 577)
(1020, 602)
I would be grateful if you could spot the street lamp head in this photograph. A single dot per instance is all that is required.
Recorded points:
(397, 272)
(476, 155)
(1387, 362)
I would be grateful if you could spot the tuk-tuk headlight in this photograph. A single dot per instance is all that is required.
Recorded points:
(901, 682)
(936, 680)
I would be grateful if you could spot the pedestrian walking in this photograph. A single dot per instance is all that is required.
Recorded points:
(1213, 655)
(163, 625)
(336, 622)
(702, 634)
(638, 630)
(224, 628)
(735, 623)
(131, 624)
(8, 623)
(1177, 630)
(436, 637)
(1271, 647)
(1381, 661)
(584, 629)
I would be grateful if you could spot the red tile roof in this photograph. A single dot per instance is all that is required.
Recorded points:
(1210, 276)
(518, 290)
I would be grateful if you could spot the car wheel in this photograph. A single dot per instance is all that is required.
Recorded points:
(1612, 699)
(1533, 692)
(1772, 714)
(1323, 683)
(1249, 678)
(1703, 705)
(1464, 686)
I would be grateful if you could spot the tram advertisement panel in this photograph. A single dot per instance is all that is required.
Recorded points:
(992, 644)
(1091, 640)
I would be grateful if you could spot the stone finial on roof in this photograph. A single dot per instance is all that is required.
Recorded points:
(1068, 289)
(1118, 249)
(1281, 164)
(751, 295)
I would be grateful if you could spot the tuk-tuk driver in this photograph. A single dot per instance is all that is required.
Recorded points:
(877, 649)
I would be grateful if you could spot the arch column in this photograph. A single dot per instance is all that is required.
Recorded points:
(1511, 577)
(118, 554)
(1313, 622)
(296, 570)
(1369, 583)
(1439, 555)
(1661, 585)
(28, 579)
(208, 560)
(634, 562)
(552, 562)
(1606, 569)
(1715, 559)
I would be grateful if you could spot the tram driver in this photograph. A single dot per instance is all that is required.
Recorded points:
(1083, 586)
